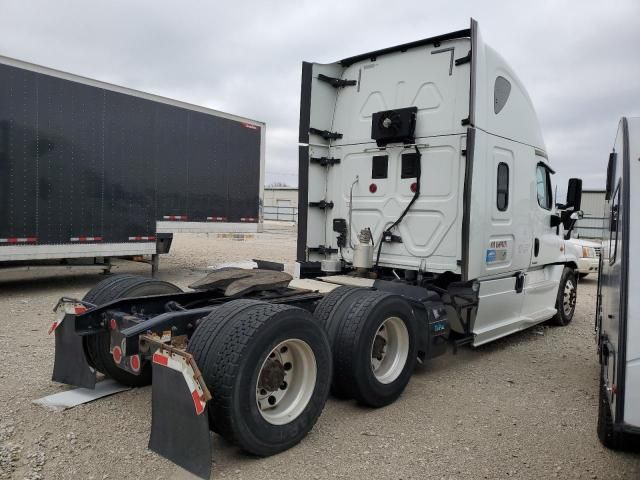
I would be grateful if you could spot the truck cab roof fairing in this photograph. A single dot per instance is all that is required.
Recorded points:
(516, 119)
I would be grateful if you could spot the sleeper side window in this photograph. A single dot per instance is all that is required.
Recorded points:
(501, 91)
(502, 195)
(543, 187)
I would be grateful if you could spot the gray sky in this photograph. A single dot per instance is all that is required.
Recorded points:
(579, 59)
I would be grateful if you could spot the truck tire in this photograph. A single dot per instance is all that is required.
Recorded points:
(332, 308)
(376, 349)
(97, 347)
(268, 367)
(608, 436)
(566, 299)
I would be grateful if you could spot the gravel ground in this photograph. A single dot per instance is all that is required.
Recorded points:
(522, 407)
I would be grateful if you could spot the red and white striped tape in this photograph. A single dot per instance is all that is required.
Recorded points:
(145, 238)
(13, 240)
(85, 239)
(216, 219)
(248, 125)
(175, 217)
(180, 364)
(66, 308)
(248, 219)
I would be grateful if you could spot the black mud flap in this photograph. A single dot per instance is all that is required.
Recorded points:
(70, 365)
(178, 433)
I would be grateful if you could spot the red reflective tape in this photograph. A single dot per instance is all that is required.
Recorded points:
(160, 359)
(13, 240)
(85, 239)
(80, 309)
(248, 219)
(54, 325)
(216, 219)
(197, 402)
(175, 217)
(142, 237)
(248, 125)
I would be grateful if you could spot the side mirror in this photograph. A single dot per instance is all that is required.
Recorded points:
(574, 194)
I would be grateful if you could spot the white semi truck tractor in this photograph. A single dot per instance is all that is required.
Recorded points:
(617, 310)
(426, 216)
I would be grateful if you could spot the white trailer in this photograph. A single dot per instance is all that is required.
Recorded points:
(617, 314)
(425, 209)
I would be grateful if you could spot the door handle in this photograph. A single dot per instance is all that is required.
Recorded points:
(536, 247)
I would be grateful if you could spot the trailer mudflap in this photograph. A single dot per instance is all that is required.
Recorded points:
(70, 365)
(180, 420)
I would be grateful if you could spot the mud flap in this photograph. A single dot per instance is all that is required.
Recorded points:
(70, 365)
(179, 421)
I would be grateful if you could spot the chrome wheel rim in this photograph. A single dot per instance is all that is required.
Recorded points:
(389, 350)
(286, 381)
(569, 298)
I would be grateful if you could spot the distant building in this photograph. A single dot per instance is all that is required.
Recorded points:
(593, 205)
(281, 203)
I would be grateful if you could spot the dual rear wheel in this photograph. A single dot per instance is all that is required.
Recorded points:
(269, 366)
(373, 337)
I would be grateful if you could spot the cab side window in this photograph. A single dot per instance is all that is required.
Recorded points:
(502, 190)
(543, 187)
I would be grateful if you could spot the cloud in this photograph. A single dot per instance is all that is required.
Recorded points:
(578, 59)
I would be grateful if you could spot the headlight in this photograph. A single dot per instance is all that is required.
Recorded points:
(588, 252)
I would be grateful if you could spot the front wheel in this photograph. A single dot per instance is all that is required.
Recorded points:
(566, 299)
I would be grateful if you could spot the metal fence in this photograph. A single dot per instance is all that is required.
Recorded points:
(280, 213)
(589, 227)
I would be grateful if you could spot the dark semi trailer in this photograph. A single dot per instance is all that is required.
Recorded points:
(91, 171)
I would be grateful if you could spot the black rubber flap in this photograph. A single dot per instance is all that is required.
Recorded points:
(177, 432)
(70, 365)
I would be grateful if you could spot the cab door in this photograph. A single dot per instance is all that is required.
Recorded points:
(546, 242)
(543, 277)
